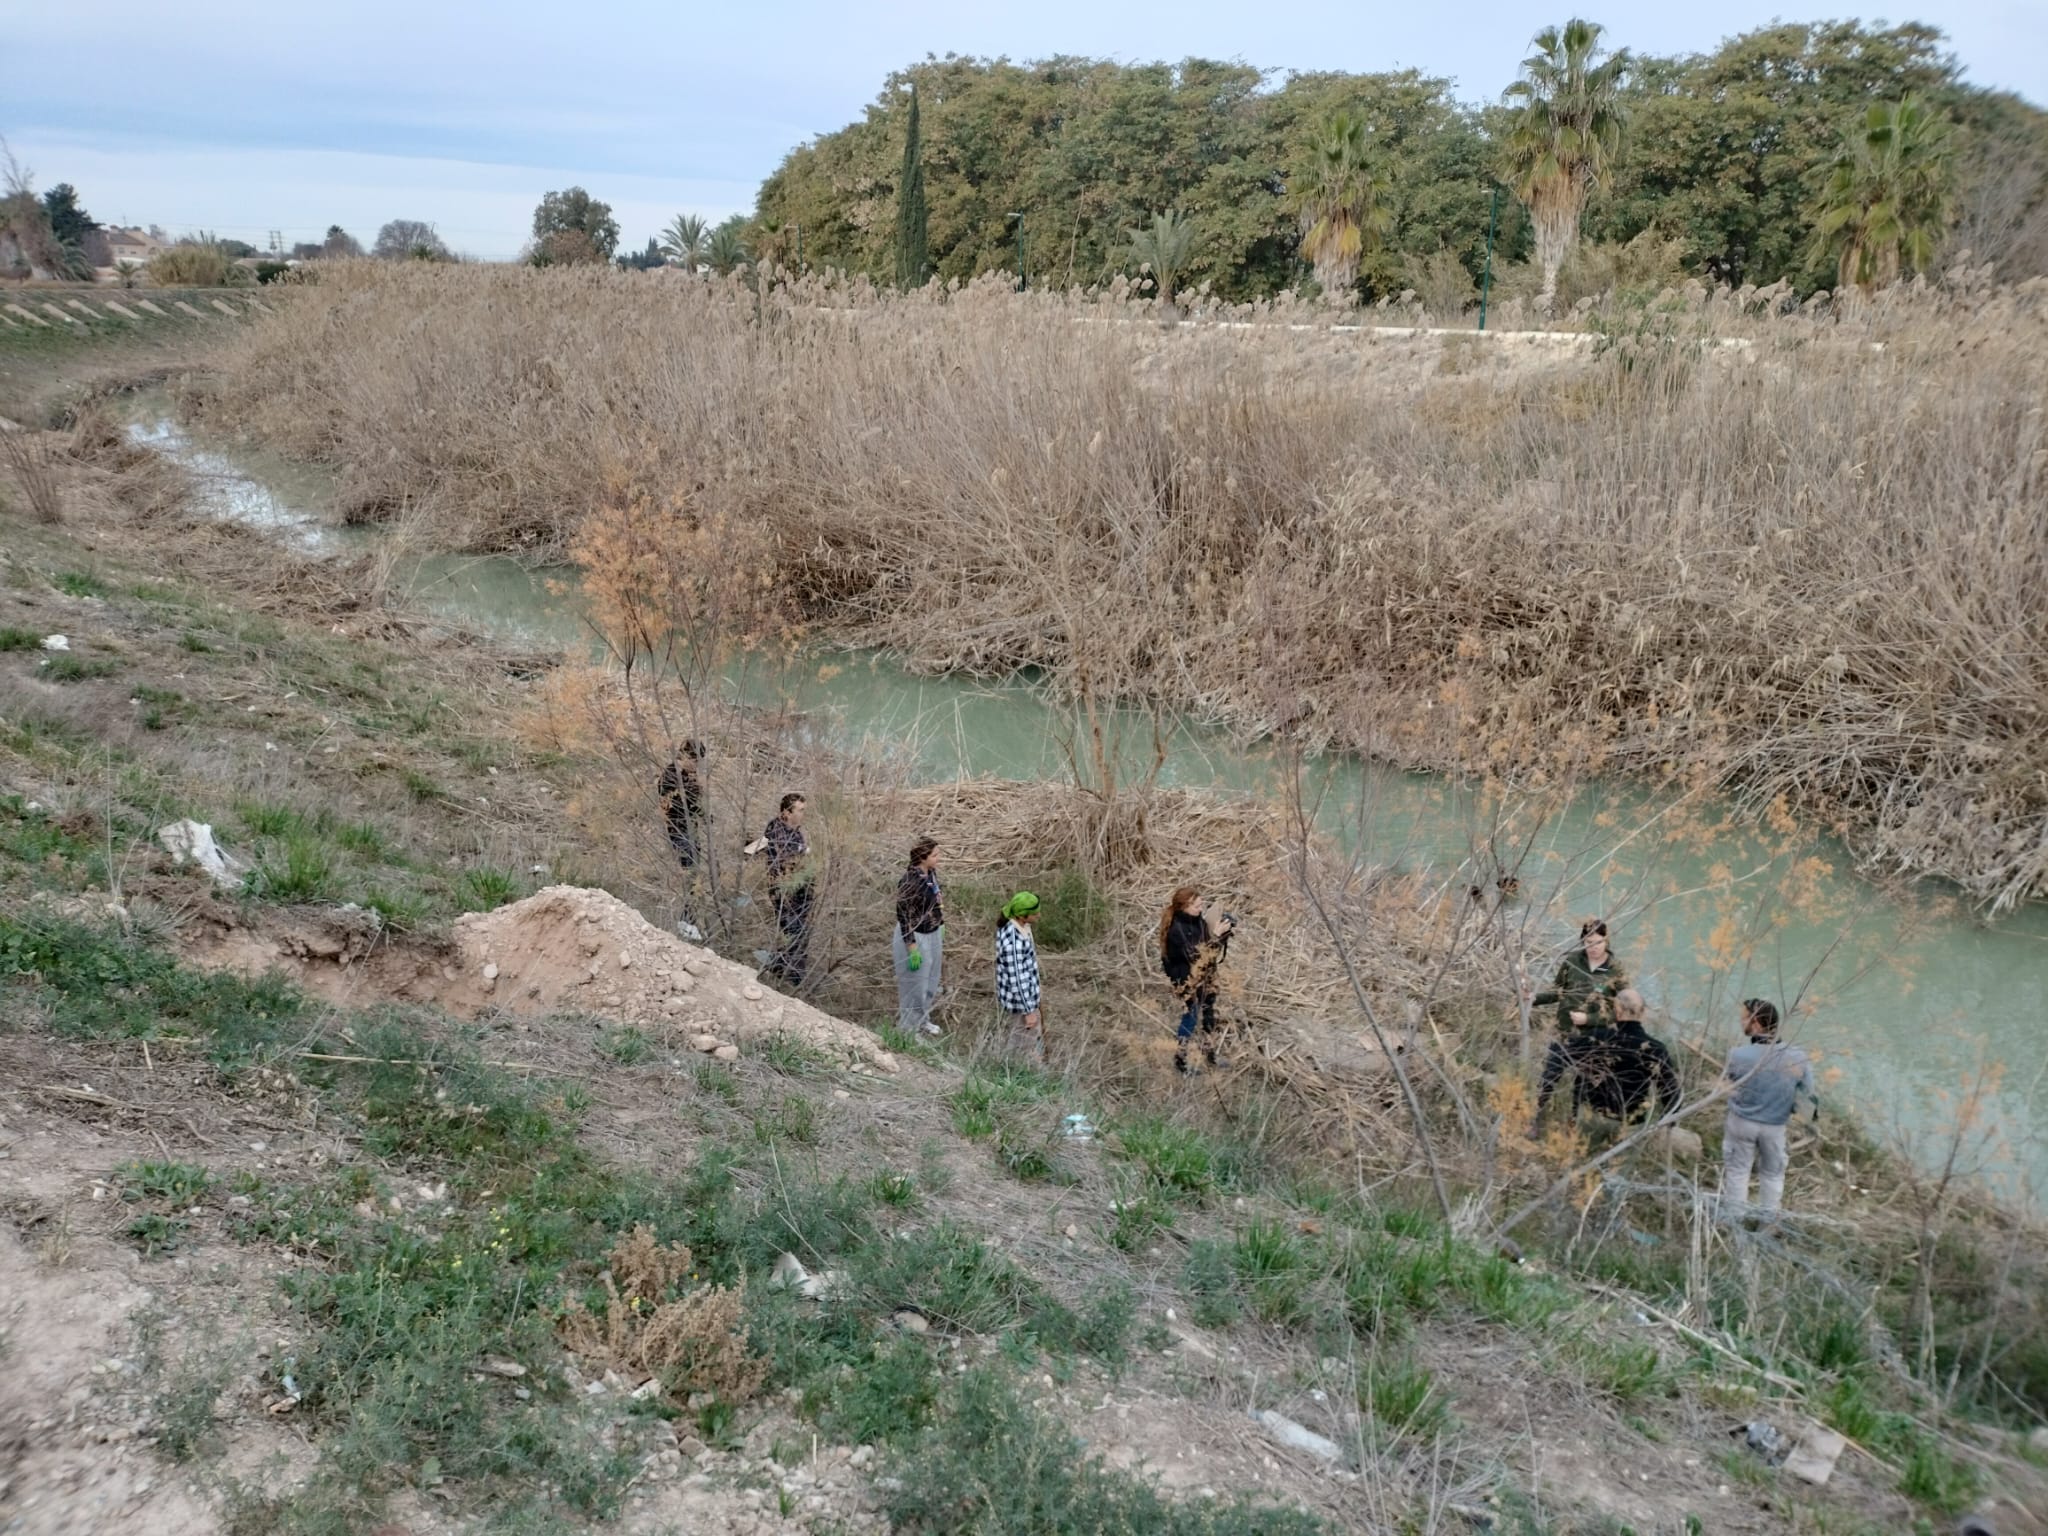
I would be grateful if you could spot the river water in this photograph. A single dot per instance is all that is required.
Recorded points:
(1911, 998)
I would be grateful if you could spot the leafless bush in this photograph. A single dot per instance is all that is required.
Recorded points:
(695, 1341)
(31, 459)
(1812, 559)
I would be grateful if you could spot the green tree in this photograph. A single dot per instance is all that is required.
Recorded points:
(1563, 136)
(725, 249)
(684, 239)
(1340, 199)
(1725, 149)
(1884, 206)
(913, 214)
(1162, 248)
(572, 213)
(340, 243)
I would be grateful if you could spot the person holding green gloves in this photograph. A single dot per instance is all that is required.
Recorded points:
(1017, 988)
(919, 942)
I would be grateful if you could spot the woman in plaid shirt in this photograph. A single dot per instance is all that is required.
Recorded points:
(1017, 989)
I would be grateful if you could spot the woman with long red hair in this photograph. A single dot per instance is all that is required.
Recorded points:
(1189, 954)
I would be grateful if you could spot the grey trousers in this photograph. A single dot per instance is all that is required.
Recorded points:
(1021, 1041)
(916, 991)
(1746, 1143)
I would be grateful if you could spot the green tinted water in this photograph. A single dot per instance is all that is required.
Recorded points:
(1910, 996)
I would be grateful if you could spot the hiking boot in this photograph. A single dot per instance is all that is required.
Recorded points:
(1180, 1064)
(1215, 1058)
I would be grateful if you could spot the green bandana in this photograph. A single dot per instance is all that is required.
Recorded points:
(1023, 904)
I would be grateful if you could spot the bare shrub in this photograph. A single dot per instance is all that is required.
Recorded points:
(1811, 562)
(693, 1342)
(31, 459)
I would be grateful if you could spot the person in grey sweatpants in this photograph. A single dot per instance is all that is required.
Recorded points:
(918, 945)
(1769, 1080)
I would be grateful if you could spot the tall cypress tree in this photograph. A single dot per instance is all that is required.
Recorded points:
(913, 248)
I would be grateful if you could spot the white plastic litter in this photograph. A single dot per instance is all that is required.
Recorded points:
(1294, 1436)
(193, 841)
(56, 643)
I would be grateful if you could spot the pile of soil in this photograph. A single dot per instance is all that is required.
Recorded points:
(569, 949)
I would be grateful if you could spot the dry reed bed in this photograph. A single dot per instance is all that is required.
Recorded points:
(1819, 565)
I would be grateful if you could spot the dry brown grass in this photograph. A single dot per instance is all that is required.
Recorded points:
(657, 1323)
(1812, 560)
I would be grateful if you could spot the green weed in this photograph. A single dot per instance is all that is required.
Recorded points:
(13, 639)
(80, 584)
(1177, 1158)
(948, 1274)
(1136, 1221)
(155, 1234)
(484, 889)
(1100, 1325)
(67, 668)
(991, 1463)
(1211, 1279)
(181, 1184)
(1624, 1371)
(299, 871)
(892, 1188)
(1404, 1398)
(627, 1046)
(793, 1057)
(195, 643)
(1936, 1478)
(795, 1119)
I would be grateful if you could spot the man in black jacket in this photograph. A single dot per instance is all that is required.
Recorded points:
(1623, 1072)
(681, 793)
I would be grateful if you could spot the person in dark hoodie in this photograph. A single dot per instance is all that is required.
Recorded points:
(1626, 1072)
(1190, 953)
(918, 944)
(681, 793)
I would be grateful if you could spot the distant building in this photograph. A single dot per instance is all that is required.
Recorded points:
(132, 244)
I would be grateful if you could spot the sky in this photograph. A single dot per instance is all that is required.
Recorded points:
(243, 119)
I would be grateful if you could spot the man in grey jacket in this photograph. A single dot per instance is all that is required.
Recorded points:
(1769, 1079)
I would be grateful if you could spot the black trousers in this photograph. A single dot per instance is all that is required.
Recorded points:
(793, 917)
(1566, 1054)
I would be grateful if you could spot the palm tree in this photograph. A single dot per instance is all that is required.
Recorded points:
(724, 250)
(1339, 199)
(683, 241)
(1162, 248)
(1885, 204)
(1565, 135)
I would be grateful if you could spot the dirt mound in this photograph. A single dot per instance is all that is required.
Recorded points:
(566, 948)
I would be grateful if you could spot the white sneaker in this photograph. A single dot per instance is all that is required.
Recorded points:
(929, 1028)
(691, 932)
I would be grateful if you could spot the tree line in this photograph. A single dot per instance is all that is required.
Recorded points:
(1814, 154)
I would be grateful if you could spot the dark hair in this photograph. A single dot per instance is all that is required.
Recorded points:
(922, 849)
(1764, 1014)
(1591, 926)
(790, 802)
(693, 748)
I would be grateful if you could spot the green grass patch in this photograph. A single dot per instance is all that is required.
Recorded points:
(979, 1102)
(81, 584)
(181, 1184)
(68, 668)
(99, 982)
(1176, 1158)
(297, 869)
(948, 1274)
(992, 1463)
(1403, 1397)
(484, 889)
(13, 639)
(626, 1046)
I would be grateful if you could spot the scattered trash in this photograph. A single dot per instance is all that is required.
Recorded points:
(651, 1387)
(789, 1274)
(193, 841)
(685, 929)
(1078, 1127)
(56, 643)
(1295, 1437)
(1813, 1459)
(511, 1370)
(1765, 1439)
(910, 1320)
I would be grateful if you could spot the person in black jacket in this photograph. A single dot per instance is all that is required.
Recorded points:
(1625, 1072)
(681, 793)
(919, 940)
(1190, 954)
